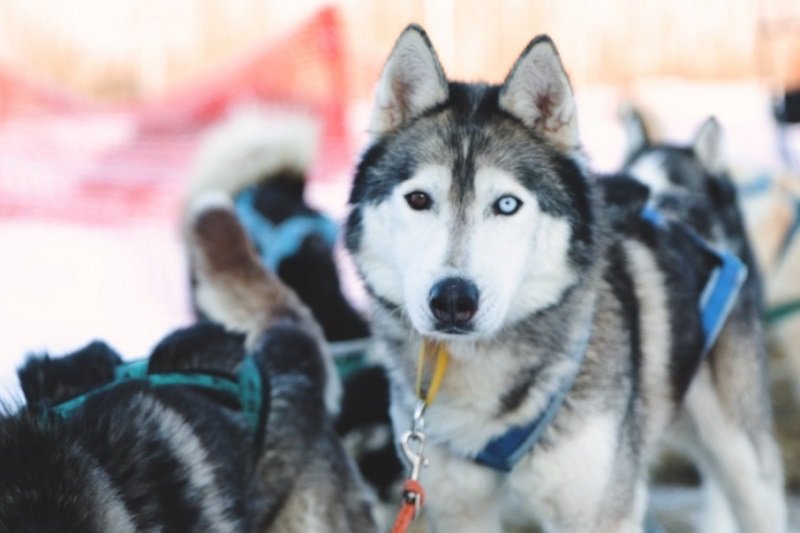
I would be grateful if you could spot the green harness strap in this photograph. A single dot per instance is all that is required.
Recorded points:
(246, 388)
(781, 311)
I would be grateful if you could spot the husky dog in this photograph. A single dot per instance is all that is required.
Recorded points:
(140, 457)
(772, 210)
(699, 171)
(573, 325)
(260, 158)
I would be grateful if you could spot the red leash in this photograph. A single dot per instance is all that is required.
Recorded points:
(413, 441)
(413, 498)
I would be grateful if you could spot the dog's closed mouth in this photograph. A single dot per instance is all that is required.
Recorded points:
(454, 330)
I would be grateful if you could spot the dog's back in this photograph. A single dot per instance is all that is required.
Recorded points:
(132, 458)
(142, 454)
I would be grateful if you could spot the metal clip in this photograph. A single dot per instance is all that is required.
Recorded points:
(413, 445)
(413, 442)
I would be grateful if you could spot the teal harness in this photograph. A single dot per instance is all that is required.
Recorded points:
(246, 388)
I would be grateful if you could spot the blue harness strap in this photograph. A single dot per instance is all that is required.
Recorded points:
(277, 242)
(719, 296)
(505, 451)
(722, 287)
(758, 186)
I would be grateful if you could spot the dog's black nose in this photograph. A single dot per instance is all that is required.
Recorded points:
(453, 301)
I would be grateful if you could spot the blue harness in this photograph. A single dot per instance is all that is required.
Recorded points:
(505, 451)
(716, 301)
(275, 242)
(246, 388)
(722, 287)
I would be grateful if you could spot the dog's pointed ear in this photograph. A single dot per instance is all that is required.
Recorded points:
(412, 82)
(537, 91)
(50, 381)
(636, 131)
(708, 146)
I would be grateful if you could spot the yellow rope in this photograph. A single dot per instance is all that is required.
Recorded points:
(427, 350)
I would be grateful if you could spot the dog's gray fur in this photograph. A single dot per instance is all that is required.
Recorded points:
(488, 185)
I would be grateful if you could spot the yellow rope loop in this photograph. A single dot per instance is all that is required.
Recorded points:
(428, 350)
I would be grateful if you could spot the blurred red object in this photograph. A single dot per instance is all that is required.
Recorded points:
(65, 158)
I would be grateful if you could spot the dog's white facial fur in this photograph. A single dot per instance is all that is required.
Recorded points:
(650, 170)
(406, 252)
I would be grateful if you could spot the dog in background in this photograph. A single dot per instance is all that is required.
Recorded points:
(260, 158)
(770, 217)
(570, 312)
(139, 457)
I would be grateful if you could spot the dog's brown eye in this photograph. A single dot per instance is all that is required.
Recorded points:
(418, 200)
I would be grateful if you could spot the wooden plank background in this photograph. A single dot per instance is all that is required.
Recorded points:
(121, 49)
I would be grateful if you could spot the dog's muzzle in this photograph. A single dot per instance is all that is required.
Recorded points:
(453, 302)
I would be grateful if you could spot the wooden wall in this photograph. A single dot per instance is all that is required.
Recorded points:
(116, 49)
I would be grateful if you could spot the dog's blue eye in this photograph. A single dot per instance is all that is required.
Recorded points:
(507, 205)
(418, 200)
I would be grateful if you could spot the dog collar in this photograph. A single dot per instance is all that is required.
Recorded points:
(412, 442)
(247, 388)
(723, 284)
(275, 242)
(504, 452)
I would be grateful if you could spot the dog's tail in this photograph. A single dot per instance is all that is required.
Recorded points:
(251, 145)
(234, 289)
